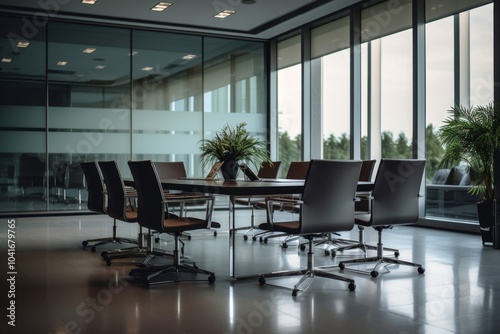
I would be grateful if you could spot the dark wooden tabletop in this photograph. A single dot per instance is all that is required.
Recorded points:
(240, 187)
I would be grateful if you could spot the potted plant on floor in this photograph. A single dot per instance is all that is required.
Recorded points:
(471, 136)
(233, 146)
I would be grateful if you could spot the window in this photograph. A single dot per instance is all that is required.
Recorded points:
(387, 79)
(289, 102)
(471, 84)
(331, 78)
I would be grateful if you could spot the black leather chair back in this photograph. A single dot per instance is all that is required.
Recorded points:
(96, 201)
(152, 210)
(328, 196)
(269, 171)
(396, 192)
(297, 170)
(367, 170)
(115, 189)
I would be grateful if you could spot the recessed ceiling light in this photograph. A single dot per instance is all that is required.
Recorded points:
(189, 57)
(147, 68)
(89, 2)
(89, 50)
(23, 44)
(100, 67)
(133, 53)
(161, 6)
(225, 13)
(6, 60)
(62, 63)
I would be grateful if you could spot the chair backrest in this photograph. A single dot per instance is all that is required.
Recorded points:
(329, 192)
(170, 169)
(367, 170)
(268, 170)
(75, 176)
(396, 192)
(297, 170)
(150, 194)
(96, 201)
(115, 190)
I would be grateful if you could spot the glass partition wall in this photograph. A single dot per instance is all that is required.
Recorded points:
(88, 77)
(75, 92)
(23, 137)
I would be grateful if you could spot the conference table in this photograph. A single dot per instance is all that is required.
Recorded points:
(240, 188)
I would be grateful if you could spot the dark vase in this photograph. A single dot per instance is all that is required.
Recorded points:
(486, 216)
(230, 170)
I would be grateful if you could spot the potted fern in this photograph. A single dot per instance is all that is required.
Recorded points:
(233, 146)
(471, 135)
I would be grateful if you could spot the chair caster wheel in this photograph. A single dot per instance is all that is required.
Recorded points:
(294, 292)
(245, 237)
(396, 254)
(215, 233)
(211, 279)
(265, 240)
(157, 239)
(327, 252)
(374, 273)
(84, 244)
(261, 239)
(341, 265)
(352, 286)
(189, 237)
(254, 238)
(262, 280)
(334, 253)
(284, 245)
(302, 247)
(145, 284)
(421, 270)
(92, 249)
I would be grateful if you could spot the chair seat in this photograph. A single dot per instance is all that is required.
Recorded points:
(363, 219)
(183, 224)
(290, 227)
(131, 215)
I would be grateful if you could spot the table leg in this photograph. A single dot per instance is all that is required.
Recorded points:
(232, 238)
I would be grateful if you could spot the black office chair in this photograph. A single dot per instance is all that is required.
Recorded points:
(154, 215)
(121, 206)
(297, 170)
(96, 202)
(173, 170)
(362, 205)
(268, 170)
(31, 176)
(326, 205)
(394, 201)
(68, 176)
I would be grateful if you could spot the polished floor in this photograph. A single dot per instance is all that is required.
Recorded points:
(62, 288)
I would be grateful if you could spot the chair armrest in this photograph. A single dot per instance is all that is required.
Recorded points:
(186, 198)
(270, 202)
(284, 200)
